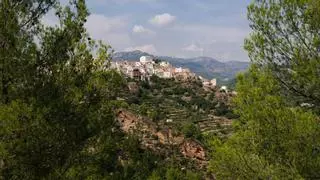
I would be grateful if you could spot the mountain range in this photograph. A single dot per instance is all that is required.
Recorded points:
(206, 67)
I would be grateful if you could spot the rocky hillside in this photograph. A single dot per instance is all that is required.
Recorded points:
(185, 106)
(162, 139)
(173, 119)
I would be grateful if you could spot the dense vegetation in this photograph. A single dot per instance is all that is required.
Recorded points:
(184, 103)
(277, 135)
(58, 101)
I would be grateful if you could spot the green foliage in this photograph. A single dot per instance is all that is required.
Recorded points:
(190, 130)
(58, 98)
(202, 103)
(57, 101)
(182, 102)
(272, 139)
(154, 114)
(286, 39)
(172, 173)
(276, 138)
(224, 110)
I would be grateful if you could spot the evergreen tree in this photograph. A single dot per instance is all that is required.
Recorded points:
(275, 137)
(286, 38)
(57, 100)
(58, 97)
(271, 139)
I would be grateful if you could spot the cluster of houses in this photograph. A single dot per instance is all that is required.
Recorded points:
(147, 67)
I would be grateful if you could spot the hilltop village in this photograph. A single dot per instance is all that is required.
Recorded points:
(148, 66)
(171, 109)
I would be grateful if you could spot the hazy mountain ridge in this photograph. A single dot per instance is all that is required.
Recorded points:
(204, 66)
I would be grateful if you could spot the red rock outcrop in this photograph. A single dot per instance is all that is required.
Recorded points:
(193, 149)
(189, 148)
(130, 122)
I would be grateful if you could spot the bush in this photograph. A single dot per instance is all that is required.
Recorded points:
(190, 130)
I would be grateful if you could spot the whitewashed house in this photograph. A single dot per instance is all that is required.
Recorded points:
(164, 64)
(159, 72)
(213, 82)
(224, 88)
(178, 70)
(150, 68)
(206, 83)
(129, 69)
(167, 74)
(138, 64)
(146, 59)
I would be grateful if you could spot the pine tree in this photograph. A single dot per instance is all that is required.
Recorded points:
(286, 38)
(275, 137)
(57, 100)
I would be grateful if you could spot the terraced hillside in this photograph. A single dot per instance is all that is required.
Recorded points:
(181, 105)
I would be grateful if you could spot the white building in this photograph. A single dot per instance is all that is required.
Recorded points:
(146, 59)
(178, 70)
(143, 71)
(138, 64)
(206, 83)
(129, 69)
(167, 74)
(213, 82)
(164, 64)
(224, 88)
(186, 70)
(150, 68)
(159, 72)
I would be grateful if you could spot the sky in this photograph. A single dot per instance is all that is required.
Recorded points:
(179, 28)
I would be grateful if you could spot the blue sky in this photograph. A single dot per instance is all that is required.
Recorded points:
(182, 28)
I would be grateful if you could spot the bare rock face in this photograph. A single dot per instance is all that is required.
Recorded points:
(127, 121)
(163, 137)
(189, 148)
(130, 122)
(178, 139)
(193, 149)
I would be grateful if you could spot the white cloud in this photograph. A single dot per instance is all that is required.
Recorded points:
(112, 30)
(149, 48)
(127, 1)
(162, 20)
(205, 33)
(193, 48)
(221, 42)
(97, 22)
(140, 29)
